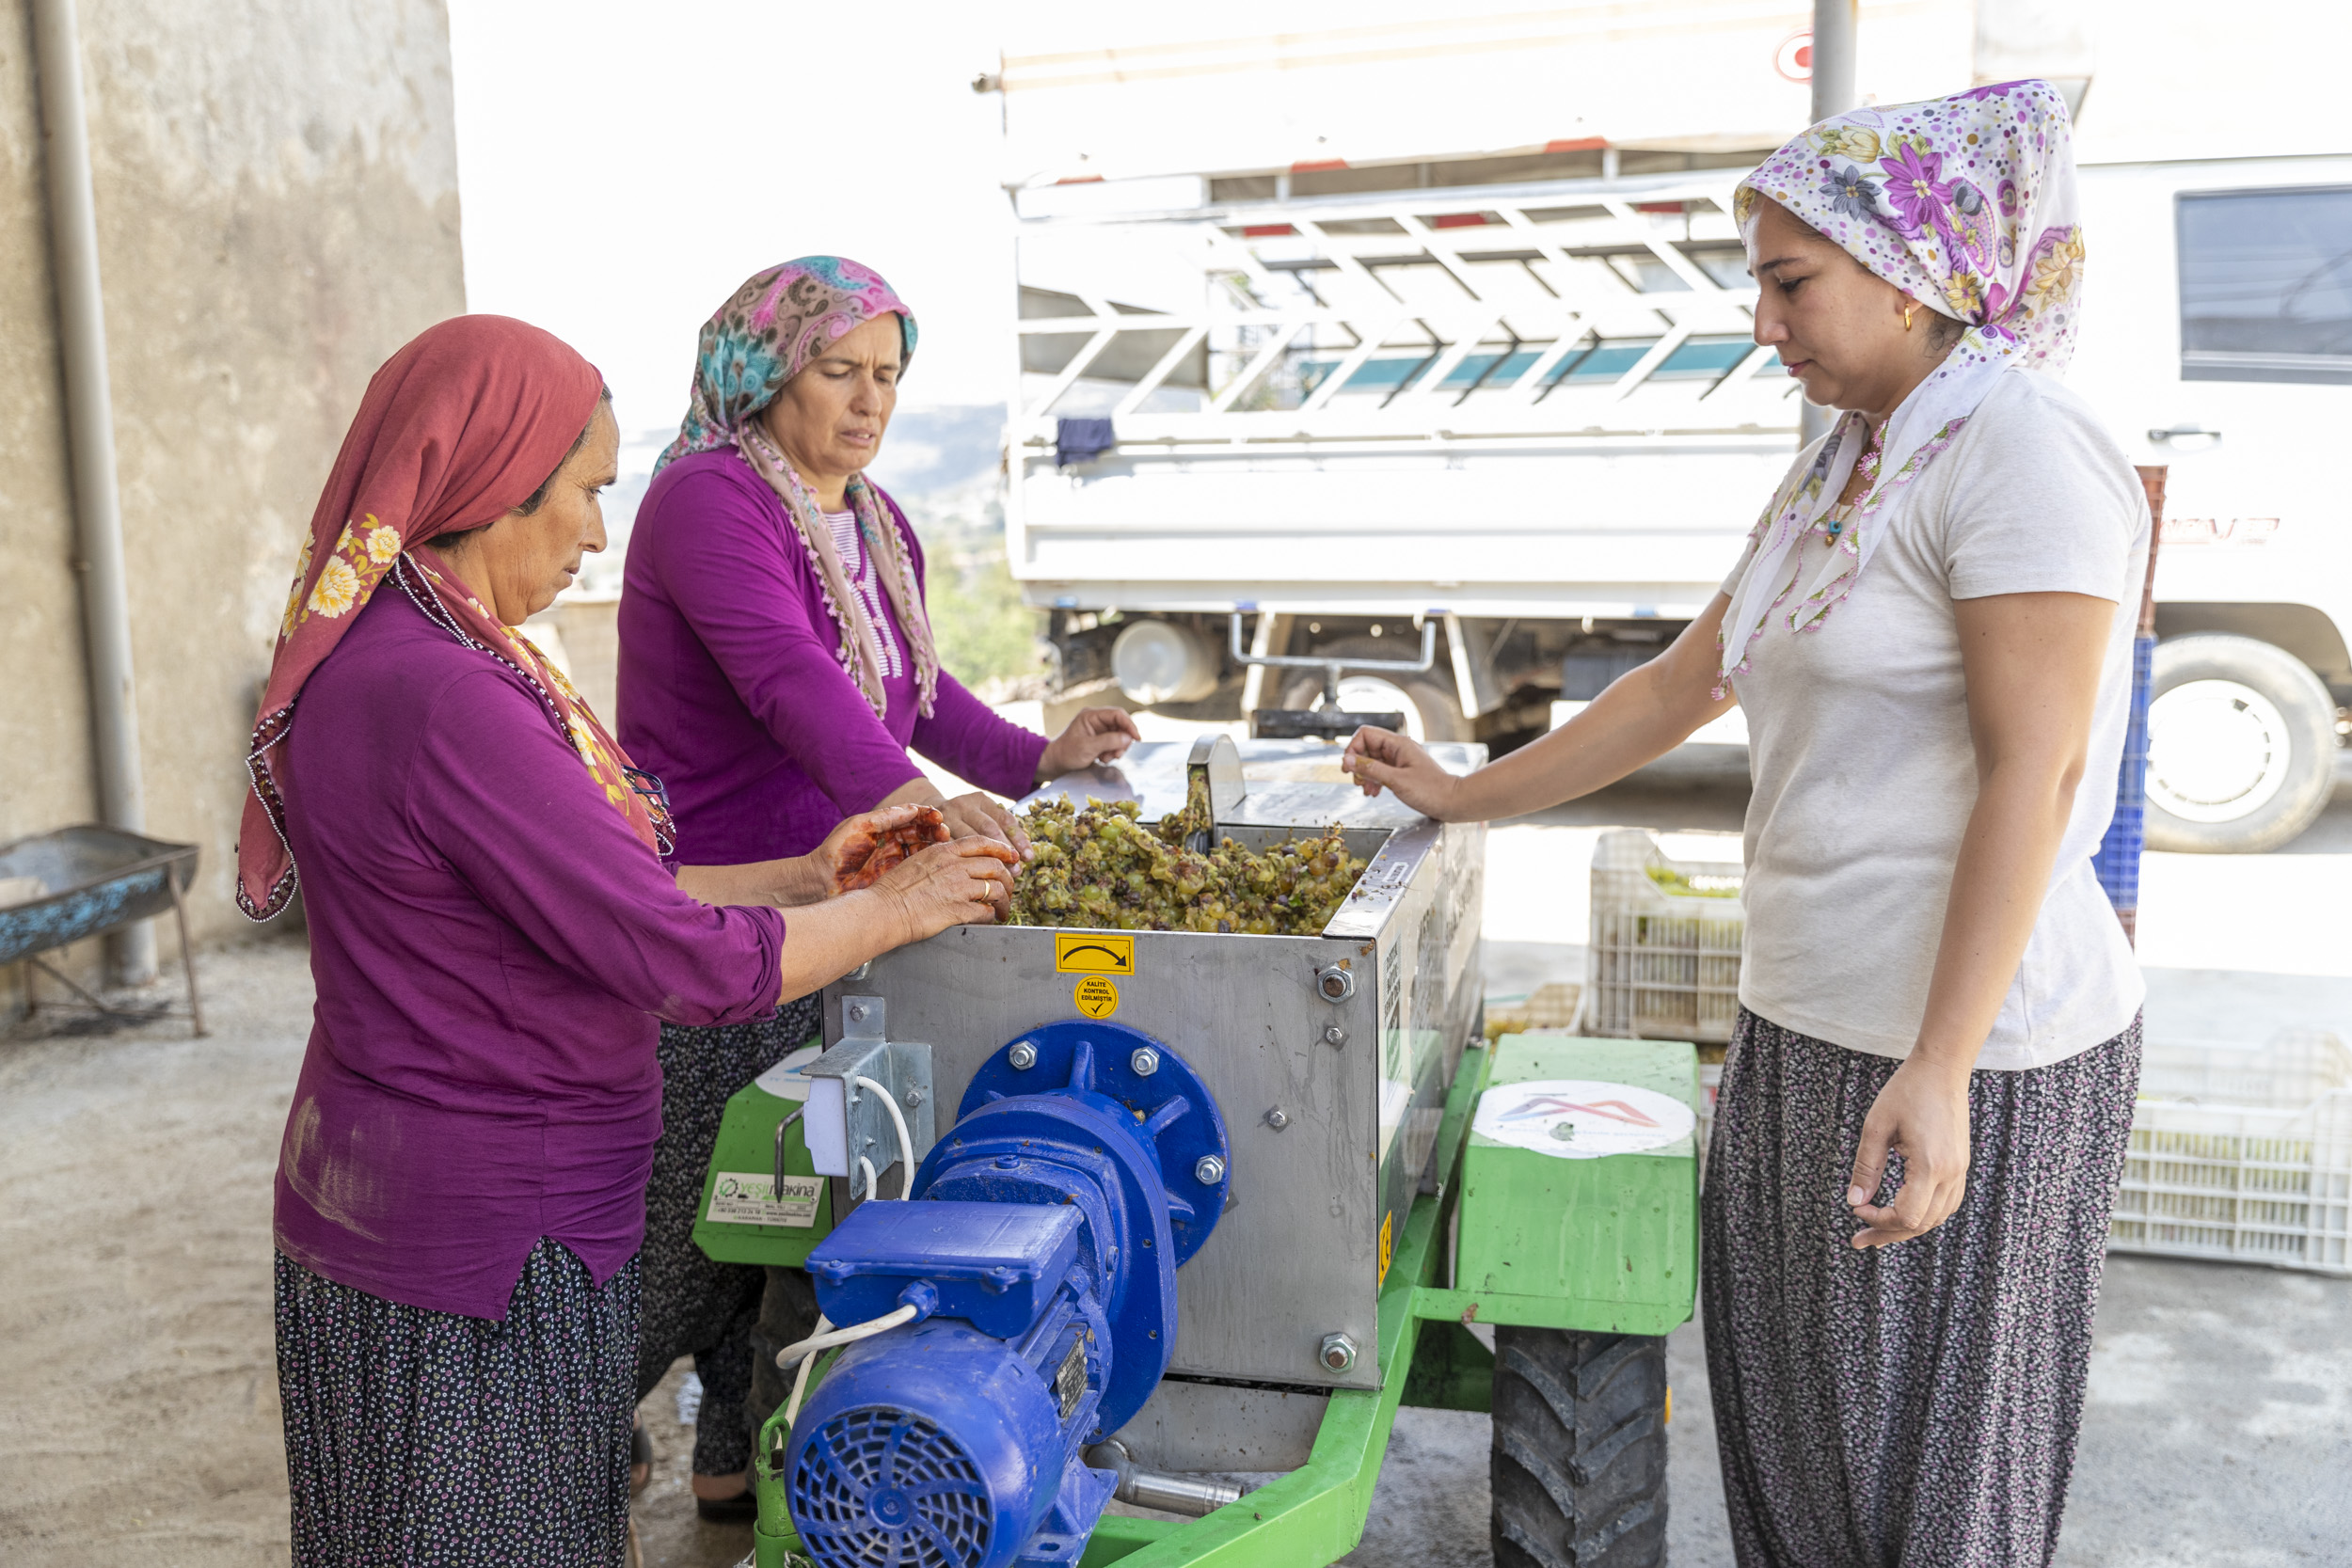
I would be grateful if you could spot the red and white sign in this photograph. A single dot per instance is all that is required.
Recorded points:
(1793, 59)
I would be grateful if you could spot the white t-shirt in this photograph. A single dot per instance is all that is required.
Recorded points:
(1863, 770)
(866, 583)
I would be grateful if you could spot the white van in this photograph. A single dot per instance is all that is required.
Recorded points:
(1440, 329)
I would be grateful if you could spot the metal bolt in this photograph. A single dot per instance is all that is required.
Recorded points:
(1278, 1118)
(1336, 984)
(857, 1012)
(1146, 1061)
(1022, 1055)
(914, 1097)
(1334, 1034)
(1338, 1352)
(1209, 1171)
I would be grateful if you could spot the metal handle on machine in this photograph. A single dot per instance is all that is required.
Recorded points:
(781, 1128)
(1213, 772)
(1188, 1494)
(2182, 432)
(1333, 668)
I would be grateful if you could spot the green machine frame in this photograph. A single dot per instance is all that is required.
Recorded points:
(760, 1141)
(1606, 1244)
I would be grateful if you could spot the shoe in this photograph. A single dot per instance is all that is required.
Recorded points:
(742, 1509)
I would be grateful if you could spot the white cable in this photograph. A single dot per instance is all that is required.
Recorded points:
(906, 1145)
(807, 1349)
(800, 1379)
(868, 1166)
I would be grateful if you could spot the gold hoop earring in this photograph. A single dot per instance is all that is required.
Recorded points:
(1908, 308)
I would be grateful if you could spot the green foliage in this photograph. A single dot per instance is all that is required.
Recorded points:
(983, 630)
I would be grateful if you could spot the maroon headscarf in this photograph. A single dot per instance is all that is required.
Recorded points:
(457, 430)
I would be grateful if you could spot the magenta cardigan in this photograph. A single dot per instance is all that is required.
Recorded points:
(731, 687)
(493, 948)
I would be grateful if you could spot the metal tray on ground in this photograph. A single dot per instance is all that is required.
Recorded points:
(81, 881)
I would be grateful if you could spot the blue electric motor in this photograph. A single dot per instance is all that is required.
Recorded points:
(1085, 1164)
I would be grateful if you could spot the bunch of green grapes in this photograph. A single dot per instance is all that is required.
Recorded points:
(1103, 867)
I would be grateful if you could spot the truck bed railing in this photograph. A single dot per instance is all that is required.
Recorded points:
(1569, 306)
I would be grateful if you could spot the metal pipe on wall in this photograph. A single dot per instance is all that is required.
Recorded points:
(91, 437)
(1834, 25)
(1833, 75)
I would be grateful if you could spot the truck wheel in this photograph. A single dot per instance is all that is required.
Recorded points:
(2241, 746)
(1431, 712)
(1580, 1450)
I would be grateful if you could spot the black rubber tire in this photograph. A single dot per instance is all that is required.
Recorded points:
(2309, 714)
(1439, 710)
(1580, 1450)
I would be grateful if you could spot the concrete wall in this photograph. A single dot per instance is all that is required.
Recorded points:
(277, 191)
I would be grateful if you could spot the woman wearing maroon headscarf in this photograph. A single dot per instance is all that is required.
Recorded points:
(460, 1191)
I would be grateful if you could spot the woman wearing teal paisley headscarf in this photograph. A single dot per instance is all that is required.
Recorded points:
(776, 665)
(1929, 1089)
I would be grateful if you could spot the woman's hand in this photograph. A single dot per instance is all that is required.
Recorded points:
(1922, 1115)
(965, 882)
(864, 846)
(978, 815)
(1096, 734)
(1382, 759)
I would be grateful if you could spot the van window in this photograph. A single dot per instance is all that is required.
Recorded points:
(2266, 285)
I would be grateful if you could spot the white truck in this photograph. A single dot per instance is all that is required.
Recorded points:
(1427, 342)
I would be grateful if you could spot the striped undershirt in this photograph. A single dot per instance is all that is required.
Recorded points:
(866, 583)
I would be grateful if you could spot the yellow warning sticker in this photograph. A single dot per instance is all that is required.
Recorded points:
(1098, 996)
(1093, 952)
(1388, 1246)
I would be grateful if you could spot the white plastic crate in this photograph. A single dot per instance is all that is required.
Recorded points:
(1550, 1008)
(1665, 961)
(2243, 1156)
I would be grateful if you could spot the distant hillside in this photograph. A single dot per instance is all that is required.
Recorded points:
(944, 467)
(940, 464)
(929, 449)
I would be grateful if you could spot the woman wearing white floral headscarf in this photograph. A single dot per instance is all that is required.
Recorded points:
(1924, 1111)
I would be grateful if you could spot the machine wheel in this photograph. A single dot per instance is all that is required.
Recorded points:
(1580, 1450)
(2241, 746)
(1431, 712)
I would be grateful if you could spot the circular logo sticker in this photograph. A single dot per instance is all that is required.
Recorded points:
(1097, 996)
(1578, 1118)
(1793, 59)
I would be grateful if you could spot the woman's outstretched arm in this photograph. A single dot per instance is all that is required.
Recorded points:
(2031, 663)
(797, 881)
(1644, 714)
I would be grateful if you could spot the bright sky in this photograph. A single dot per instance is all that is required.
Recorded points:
(623, 166)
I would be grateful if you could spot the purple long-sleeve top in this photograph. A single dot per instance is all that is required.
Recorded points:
(731, 688)
(492, 947)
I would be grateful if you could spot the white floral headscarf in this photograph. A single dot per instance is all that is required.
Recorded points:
(1965, 203)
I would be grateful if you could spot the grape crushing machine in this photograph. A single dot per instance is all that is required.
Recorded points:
(1097, 1213)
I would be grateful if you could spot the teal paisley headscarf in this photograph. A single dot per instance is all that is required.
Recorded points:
(766, 333)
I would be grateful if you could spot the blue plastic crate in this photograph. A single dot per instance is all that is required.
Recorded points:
(2118, 860)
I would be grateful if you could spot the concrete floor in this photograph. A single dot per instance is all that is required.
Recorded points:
(142, 1414)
